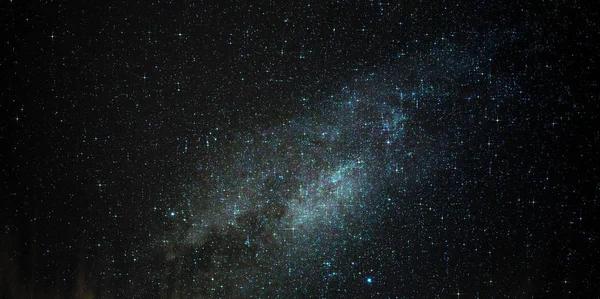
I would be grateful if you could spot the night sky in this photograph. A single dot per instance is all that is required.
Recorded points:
(297, 149)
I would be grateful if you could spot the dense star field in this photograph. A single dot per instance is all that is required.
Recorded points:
(327, 149)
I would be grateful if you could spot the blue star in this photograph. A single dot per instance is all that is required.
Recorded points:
(369, 280)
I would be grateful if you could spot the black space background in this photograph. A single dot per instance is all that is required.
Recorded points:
(84, 135)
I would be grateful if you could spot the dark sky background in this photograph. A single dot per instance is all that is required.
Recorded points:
(326, 149)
